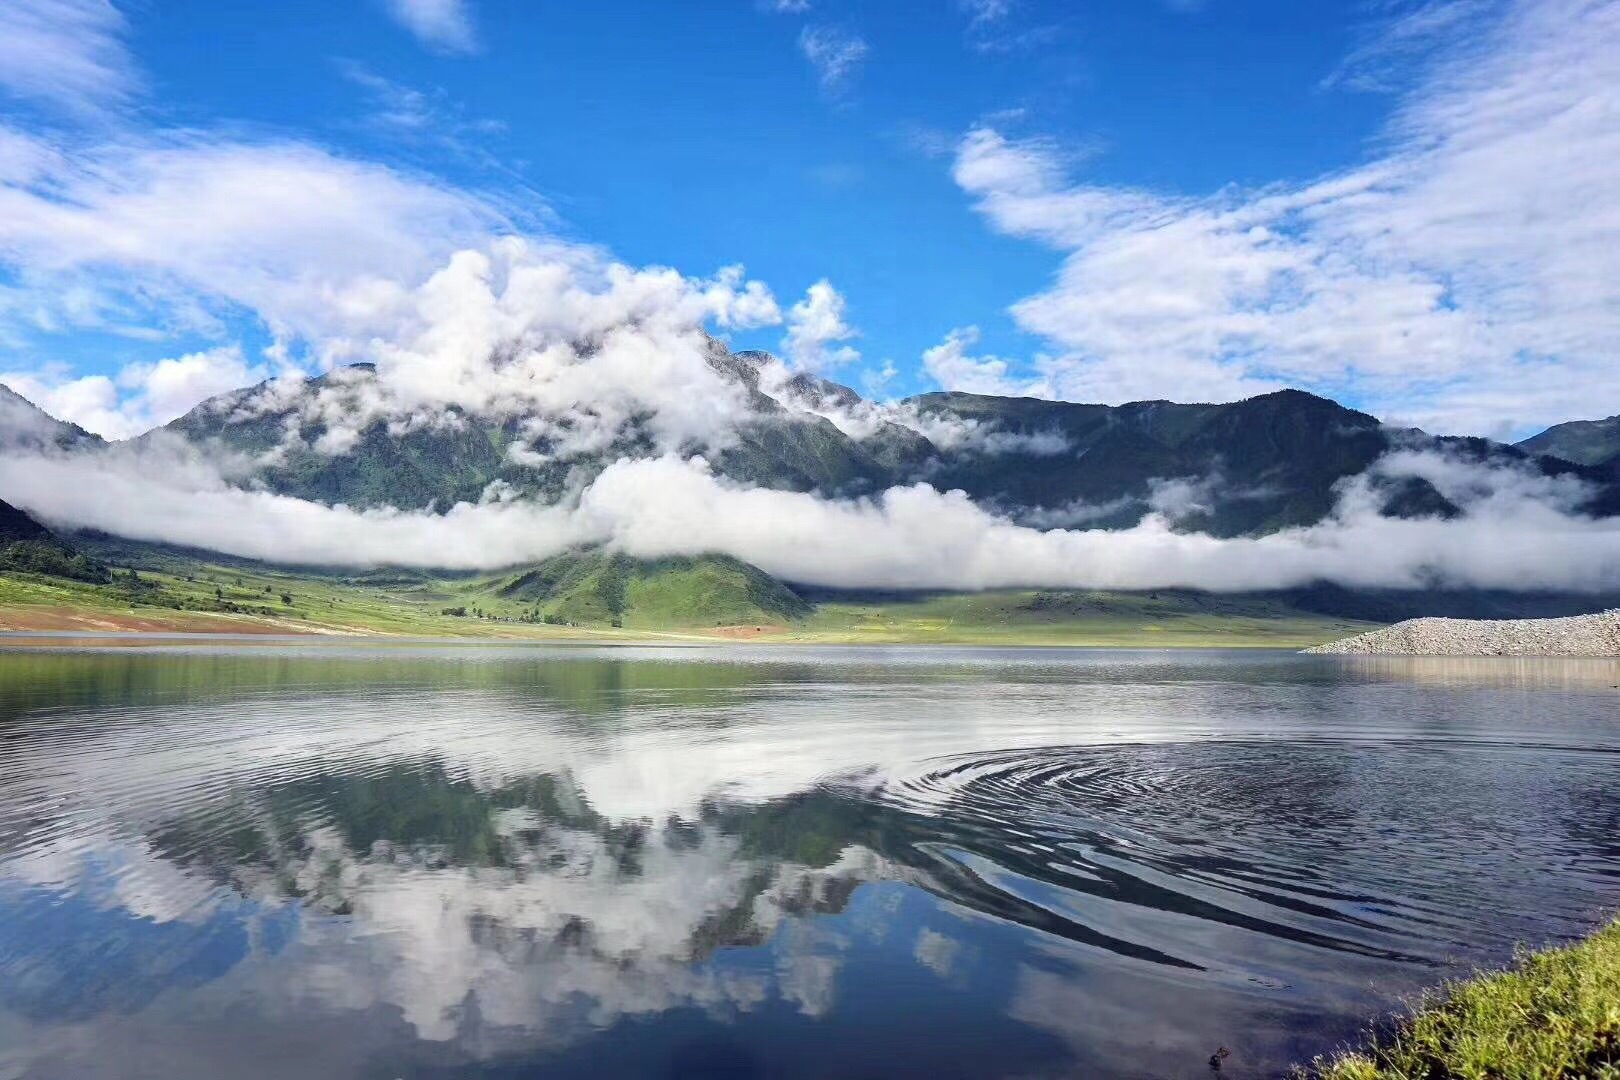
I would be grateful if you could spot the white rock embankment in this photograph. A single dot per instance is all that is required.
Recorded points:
(1581, 635)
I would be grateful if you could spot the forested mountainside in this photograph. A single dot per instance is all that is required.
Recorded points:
(1241, 468)
(1585, 442)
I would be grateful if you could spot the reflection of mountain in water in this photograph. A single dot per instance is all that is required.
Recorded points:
(501, 860)
(39, 679)
(1093, 845)
(521, 875)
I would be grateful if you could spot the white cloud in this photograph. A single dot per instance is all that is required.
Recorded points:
(578, 349)
(65, 53)
(1468, 279)
(346, 261)
(172, 228)
(836, 55)
(1384, 60)
(737, 303)
(422, 117)
(1517, 531)
(986, 11)
(815, 329)
(443, 25)
(142, 395)
(950, 363)
(575, 346)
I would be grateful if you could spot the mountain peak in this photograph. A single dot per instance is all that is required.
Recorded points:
(1584, 442)
(26, 426)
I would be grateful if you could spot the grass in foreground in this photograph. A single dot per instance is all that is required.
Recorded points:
(1555, 1016)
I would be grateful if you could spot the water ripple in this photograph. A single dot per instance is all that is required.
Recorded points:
(1396, 850)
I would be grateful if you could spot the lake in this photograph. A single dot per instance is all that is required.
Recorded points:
(418, 860)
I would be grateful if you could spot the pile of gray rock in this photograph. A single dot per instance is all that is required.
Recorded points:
(1582, 635)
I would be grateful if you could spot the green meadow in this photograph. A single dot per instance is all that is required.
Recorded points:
(588, 596)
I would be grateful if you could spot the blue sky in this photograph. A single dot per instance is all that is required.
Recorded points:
(1098, 201)
(697, 135)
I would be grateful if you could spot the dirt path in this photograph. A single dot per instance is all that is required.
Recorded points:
(63, 618)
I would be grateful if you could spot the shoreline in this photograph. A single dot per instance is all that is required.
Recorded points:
(76, 624)
(1595, 636)
(1552, 1015)
(46, 639)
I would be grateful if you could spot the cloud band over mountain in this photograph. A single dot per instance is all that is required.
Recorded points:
(1517, 531)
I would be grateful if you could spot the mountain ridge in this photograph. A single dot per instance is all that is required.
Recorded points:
(1585, 442)
(28, 547)
(1246, 468)
(1249, 467)
(24, 426)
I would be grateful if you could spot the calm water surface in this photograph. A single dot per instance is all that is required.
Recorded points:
(431, 861)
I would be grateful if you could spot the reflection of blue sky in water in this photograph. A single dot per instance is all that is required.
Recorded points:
(482, 961)
(805, 867)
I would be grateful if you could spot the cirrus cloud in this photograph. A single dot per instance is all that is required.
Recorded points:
(68, 54)
(836, 55)
(1468, 278)
(441, 25)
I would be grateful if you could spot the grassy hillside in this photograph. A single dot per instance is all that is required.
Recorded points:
(582, 595)
(587, 587)
(1555, 1017)
(1044, 617)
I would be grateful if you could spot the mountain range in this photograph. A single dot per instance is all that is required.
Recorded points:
(1585, 442)
(1243, 468)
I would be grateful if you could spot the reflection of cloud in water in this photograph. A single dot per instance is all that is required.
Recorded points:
(936, 952)
(535, 923)
(483, 862)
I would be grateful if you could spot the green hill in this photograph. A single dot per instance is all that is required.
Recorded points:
(587, 588)
(581, 594)
(28, 547)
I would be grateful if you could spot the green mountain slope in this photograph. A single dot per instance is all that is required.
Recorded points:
(458, 457)
(586, 588)
(1585, 442)
(1245, 467)
(28, 547)
(155, 587)
(26, 427)
(450, 463)
(1241, 468)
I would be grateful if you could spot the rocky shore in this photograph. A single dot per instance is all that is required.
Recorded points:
(1582, 635)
